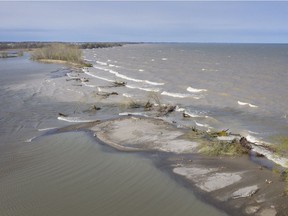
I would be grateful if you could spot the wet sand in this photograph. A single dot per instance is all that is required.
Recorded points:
(236, 185)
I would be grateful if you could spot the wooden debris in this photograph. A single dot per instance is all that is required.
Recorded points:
(62, 114)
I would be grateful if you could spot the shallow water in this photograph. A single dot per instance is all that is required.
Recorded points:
(70, 173)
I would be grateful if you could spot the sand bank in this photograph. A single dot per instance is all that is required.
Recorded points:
(237, 185)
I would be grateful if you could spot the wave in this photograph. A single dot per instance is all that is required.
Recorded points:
(101, 63)
(252, 132)
(133, 79)
(192, 115)
(202, 125)
(100, 68)
(194, 90)
(246, 104)
(267, 153)
(144, 89)
(98, 77)
(252, 139)
(117, 74)
(179, 95)
(74, 119)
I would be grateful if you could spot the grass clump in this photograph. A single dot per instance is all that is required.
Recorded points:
(60, 52)
(222, 148)
(282, 147)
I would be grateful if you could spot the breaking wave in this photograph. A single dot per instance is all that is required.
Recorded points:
(74, 119)
(179, 95)
(246, 104)
(194, 90)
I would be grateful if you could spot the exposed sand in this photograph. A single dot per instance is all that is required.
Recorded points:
(236, 185)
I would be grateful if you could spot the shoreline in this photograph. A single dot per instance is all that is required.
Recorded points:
(236, 168)
(236, 185)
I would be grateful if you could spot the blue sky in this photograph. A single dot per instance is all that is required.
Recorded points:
(148, 21)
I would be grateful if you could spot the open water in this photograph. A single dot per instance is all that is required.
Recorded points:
(240, 87)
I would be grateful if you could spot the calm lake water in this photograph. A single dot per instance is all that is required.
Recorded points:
(70, 173)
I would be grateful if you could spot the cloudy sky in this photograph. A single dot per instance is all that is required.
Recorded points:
(145, 21)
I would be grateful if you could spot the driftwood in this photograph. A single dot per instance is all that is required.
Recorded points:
(62, 114)
(165, 110)
(185, 115)
(245, 143)
(94, 108)
(106, 94)
(148, 106)
(119, 83)
(78, 79)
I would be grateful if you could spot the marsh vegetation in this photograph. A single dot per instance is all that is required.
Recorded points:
(60, 52)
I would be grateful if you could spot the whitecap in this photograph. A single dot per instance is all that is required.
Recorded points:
(253, 106)
(164, 59)
(144, 89)
(252, 132)
(253, 139)
(153, 83)
(242, 103)
(133, 79)
(101, 63)
(179, 95)
(194, 90)
(140, 70)
(246, 104)
(202, 125)
(100, 68)
(74, 119)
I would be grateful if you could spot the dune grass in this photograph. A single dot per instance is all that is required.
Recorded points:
(60, 52)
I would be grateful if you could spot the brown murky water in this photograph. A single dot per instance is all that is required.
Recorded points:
(70, 173)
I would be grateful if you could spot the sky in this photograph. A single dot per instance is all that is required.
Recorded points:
(145, 21)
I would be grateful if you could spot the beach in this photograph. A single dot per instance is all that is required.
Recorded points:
(104, 110)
